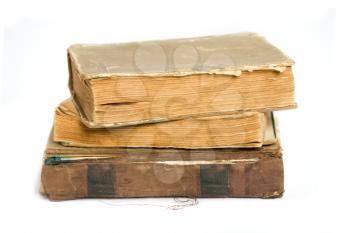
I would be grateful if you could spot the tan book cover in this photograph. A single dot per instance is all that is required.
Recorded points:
(116, 85)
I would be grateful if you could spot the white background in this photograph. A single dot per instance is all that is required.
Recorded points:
(35, 35)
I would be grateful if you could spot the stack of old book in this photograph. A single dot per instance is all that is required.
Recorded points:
(171, 118)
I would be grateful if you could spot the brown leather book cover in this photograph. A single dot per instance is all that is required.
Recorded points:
(72, 172)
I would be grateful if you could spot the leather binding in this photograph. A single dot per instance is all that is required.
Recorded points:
(71, 172)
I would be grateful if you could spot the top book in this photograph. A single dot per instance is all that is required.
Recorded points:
(153, 81)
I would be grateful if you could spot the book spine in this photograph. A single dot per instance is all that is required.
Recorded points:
(262, 178)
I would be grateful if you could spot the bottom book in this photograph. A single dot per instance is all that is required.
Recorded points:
(72, 172)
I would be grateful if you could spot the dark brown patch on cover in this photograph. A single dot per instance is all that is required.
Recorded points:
(214, 180)
(100, 180)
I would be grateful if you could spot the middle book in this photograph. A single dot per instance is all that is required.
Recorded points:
(249, 129)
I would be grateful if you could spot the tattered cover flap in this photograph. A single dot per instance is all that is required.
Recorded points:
(225, 54)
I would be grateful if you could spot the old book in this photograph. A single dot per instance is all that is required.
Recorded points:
(235, 130)
(143, 82)
(72, 172)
